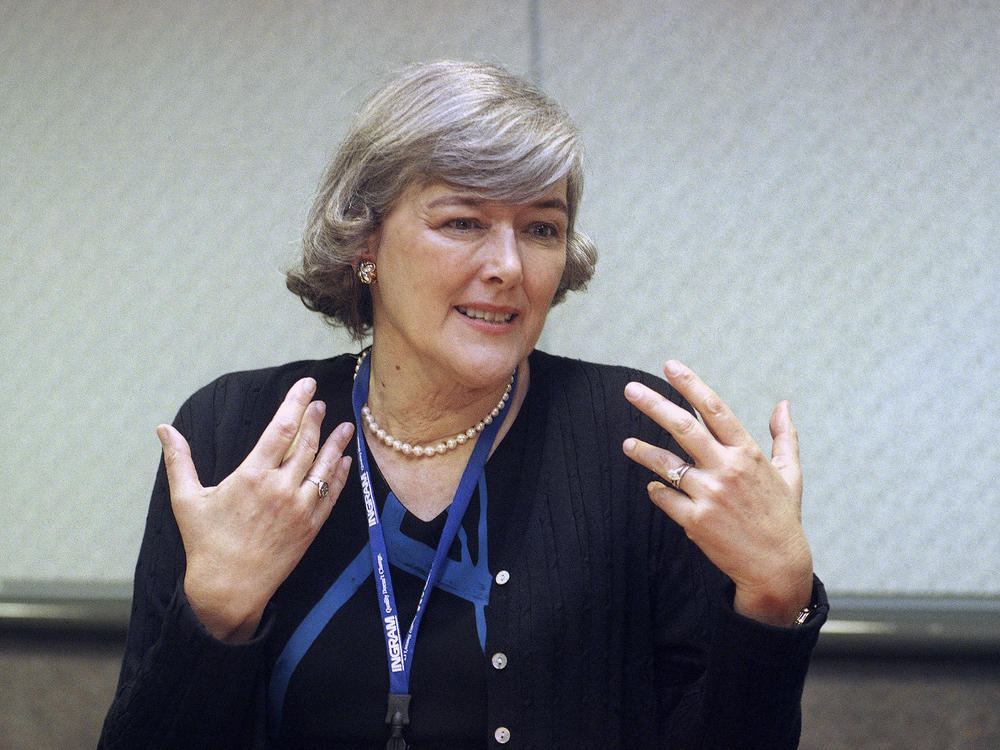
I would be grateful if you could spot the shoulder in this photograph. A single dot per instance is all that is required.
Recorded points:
(246, 400)
(584, 396)
(224, 419)
(268, 381)
(576, 376)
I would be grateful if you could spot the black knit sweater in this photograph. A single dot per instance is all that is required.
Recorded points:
(617, 632)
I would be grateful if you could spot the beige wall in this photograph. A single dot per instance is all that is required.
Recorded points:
(797, 197)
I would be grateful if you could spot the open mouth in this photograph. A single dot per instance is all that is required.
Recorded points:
(485, 315)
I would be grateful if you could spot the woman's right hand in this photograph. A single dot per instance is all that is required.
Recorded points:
(243, 537)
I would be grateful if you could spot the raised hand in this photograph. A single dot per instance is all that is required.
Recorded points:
(243, 537)
(743, 510)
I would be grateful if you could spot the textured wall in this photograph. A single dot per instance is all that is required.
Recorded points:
(798, 198)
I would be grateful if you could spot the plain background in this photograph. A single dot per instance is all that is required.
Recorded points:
(798, 198)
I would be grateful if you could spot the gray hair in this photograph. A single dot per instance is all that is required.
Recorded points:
(472, 125)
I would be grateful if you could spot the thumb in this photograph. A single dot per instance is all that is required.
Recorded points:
(181, 473)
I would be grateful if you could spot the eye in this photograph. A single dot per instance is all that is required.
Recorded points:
(544, 231)
(462, 225)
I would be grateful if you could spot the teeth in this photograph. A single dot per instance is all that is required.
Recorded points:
(489, 317)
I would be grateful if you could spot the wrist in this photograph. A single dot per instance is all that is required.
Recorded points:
(806, 614)
(780, 607)
(226, 618)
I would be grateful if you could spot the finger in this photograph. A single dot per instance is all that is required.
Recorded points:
(323, 506)
(689, 433)
(658, 460)
(280, 433)
(333, 467)
(329, 460)
(302, 452)
(337, 480)
(719, 418)
(675, 504)
(182, 477)
(329, 457)
(785, 449)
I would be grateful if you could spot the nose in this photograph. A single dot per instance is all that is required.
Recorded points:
(502, 261)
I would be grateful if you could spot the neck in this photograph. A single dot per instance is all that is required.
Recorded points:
(420, 409)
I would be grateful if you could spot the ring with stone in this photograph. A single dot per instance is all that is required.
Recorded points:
(321, 487)
(674, 476)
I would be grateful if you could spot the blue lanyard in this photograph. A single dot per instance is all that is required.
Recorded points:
(400, 650)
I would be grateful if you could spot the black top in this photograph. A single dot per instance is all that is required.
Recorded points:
(614, 629)
(346, 665)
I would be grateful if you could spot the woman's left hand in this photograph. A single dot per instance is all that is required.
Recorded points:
(743, 510)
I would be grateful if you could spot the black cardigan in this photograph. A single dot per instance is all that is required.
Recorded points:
(619, 633)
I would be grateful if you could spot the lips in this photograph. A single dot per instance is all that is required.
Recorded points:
(488, 316)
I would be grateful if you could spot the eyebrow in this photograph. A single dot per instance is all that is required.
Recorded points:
(470, 200)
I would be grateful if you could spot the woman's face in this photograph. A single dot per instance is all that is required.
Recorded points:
(465, 284)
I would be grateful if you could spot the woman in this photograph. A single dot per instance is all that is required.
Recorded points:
(438, 541)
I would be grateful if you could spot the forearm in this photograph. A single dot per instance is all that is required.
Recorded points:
(754, 680)
(188, 690)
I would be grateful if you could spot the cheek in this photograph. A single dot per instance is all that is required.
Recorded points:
(413, 265)
(547, 274)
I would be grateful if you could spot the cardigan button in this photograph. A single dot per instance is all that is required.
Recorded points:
(502, 735)
(502, 577)
(499, 660)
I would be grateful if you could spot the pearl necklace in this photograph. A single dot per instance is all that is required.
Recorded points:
(431, 450)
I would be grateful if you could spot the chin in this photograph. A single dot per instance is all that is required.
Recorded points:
(490, 367)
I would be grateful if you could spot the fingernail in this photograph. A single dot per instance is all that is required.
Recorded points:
(629, 445)
(632, 390)
(672, 367)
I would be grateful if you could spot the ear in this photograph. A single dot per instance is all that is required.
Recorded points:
(369, 248)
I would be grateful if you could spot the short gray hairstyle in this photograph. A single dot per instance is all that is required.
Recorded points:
(472, 125)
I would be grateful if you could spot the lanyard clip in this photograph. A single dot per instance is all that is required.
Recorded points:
(398, 718)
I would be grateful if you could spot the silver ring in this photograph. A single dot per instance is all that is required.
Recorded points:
(321, 487)
(674, 476)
